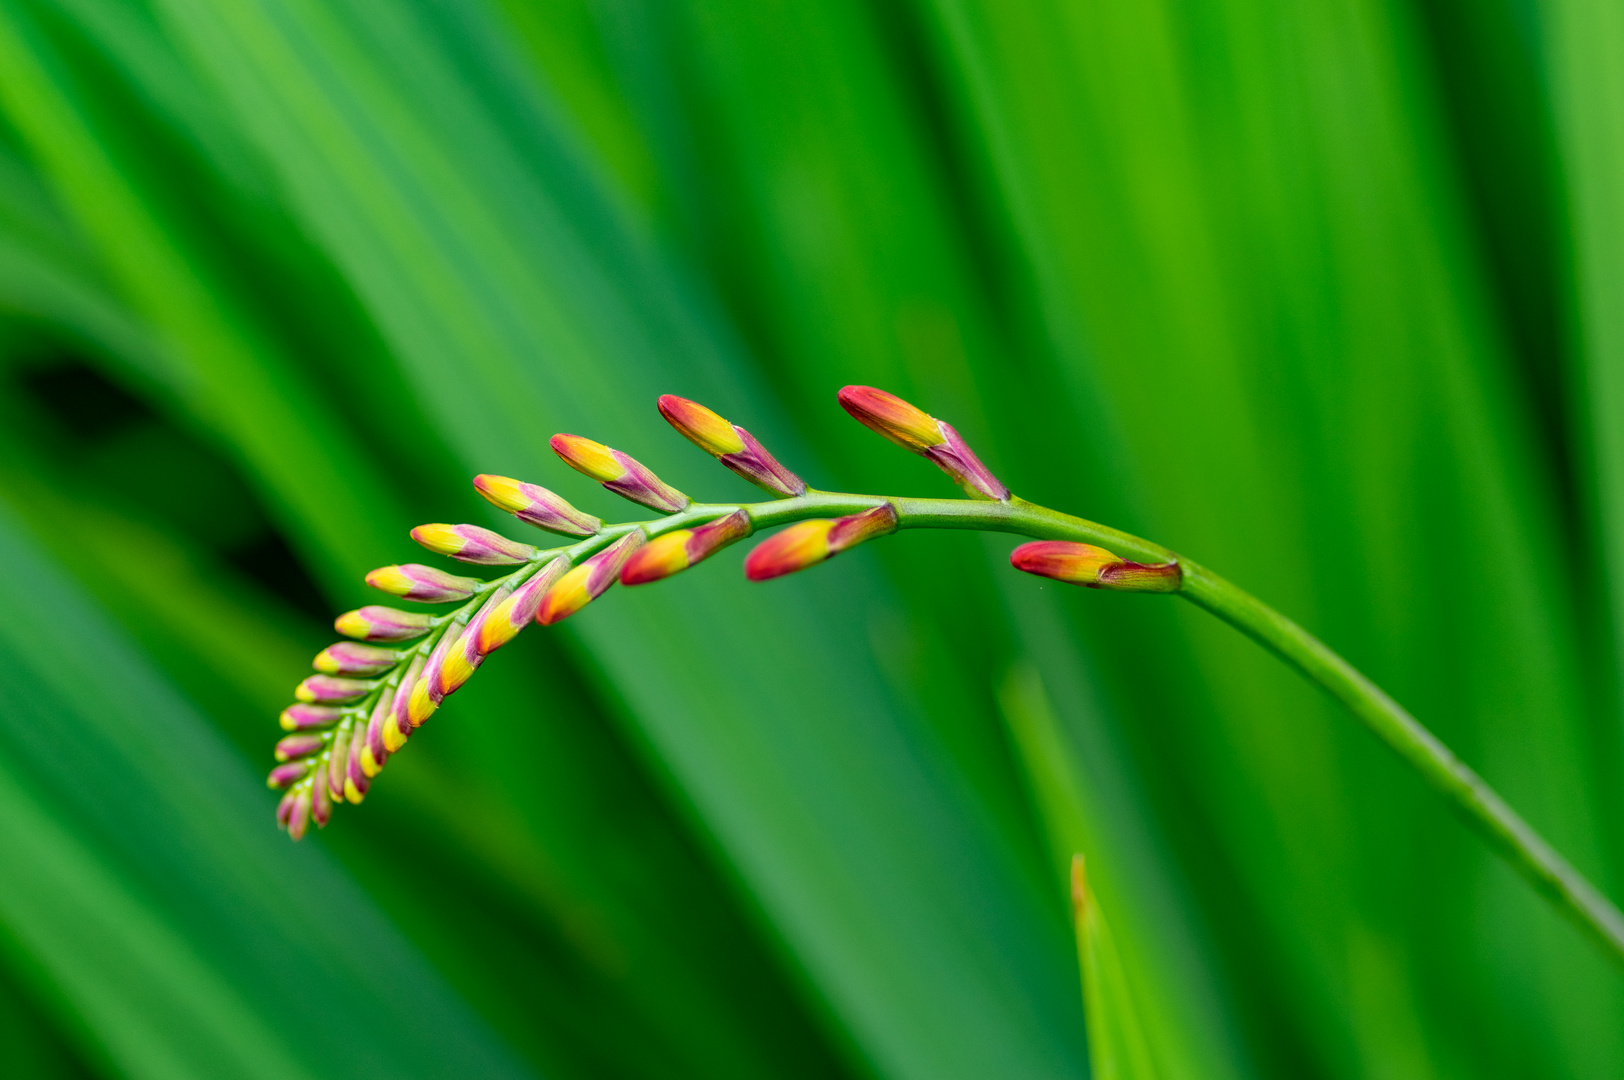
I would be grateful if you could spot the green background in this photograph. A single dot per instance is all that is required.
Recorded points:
(1329, 296)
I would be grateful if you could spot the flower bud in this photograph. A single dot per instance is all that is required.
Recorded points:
(338, 758)
(284, 809)
(731, 445)
(328, 690)
(471, 544)
(426, 695)
(349, 658)
(301, 717)
(284, 776)
(425, 584)
(1094, 567)
(298, 746)
(620, 473)
(356, 778)
(808, 543)
(299, 818)
(517, 611)
(373, 750)
(676, 551)
(536, 505)
(397, 726)
(321, 803)
(586, 582)
(913, 429)
(374, 623)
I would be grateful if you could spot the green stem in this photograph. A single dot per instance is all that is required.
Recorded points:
(1506, 832)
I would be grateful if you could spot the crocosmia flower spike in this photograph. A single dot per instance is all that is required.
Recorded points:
(536, 506)
(471, 544)
(586, 582)
(914, 429)
(731, 445)
(674, 552)
(811, 542)
(1094, 567)
(422, 583)
(620, 473)
(373, 623)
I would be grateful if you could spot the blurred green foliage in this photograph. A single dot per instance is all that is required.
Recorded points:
(1327, 296)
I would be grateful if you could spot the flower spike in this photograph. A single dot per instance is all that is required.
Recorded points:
(620, 473)
(1094, 567)
(471, 544)
(424, 584)
(586, 582)
(674, 552)
(536, 506)
(811, 542)
(915, 430)
(731, 445)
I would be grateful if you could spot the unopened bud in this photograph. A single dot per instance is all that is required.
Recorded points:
(586, 582)
(674, 552)
(413, 581)
(397, 726)
(536, 505)
(373, 750)
(321, 803)
(350, 658)
(808, 543)
(731, 445)
(299, 818)
(374, 623)
(331, 690)
(620, 473)
(284, 776)
(426, 695)
(298, 746)
(517, 611)
(1094, 567)
(337, 759)
(284, 809)
(356, 778)
(300, 717)
(914, 429)
(472, 544)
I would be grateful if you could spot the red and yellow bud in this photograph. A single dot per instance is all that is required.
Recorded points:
(302, 717)
(731, 445)
(1094, 567)
(517, 611)
(585, 583)
(285, 776)
(674, 552)
(914, 429)
(397, 726)
(420, 705)
(808, 543)
(356, 778)
(321, 803)
(373, 751)
(349, 659)
(620, 473)
(425, 584)
(330, 690)
(374, 623)
(536, 505)
(472, 544)
(291, 747)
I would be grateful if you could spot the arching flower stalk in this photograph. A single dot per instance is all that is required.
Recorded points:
(371, 694)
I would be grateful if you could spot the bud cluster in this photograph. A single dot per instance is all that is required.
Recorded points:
(370, 694)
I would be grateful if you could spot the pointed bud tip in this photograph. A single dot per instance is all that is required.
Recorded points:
(886, 414)
(1094, 567)
(700, 426)
(588, 457)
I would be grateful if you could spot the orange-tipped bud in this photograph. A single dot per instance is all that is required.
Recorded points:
(914, 429)
(1094, 567)
(731, 445)
(676, 551)
(808, 543)
(586, 582)
(620, 473)
(536, 505)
